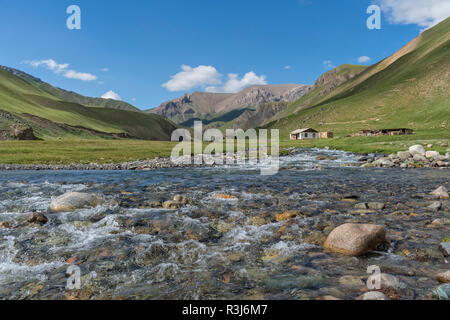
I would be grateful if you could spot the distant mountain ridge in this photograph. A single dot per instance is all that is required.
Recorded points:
(71, 96)
(208, 106)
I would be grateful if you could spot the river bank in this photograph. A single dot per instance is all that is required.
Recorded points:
(415, 157)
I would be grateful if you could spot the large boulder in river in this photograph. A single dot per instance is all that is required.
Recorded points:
(355, 239)
(75, 200)
(417, 149)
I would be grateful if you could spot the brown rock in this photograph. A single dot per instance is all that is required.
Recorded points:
(5, 225)
(171, 205)
(444, 277)
(37, 218)
(225, 196)
(286, 215)
(328, 298)
(355, 239)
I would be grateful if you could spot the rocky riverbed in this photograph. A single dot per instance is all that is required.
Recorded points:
(227, 232)
(415, 157)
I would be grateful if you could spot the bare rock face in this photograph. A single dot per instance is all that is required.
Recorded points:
(75, 200)
(355, 239)
(23, 133)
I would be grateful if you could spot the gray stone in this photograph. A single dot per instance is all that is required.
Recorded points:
(384, 162)
(75, 200)
(417, 149)
(404, 155)
(442, 292)
(361, 206)
(435, 206)
(440, 192)
(373, 295)
(387, 281)
(432, 154)
(445, 248)
(376, 205)
(419, 158)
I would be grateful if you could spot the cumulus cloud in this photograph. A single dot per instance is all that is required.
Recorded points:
(364, 59)
(49, 64)
(234, 84)
(190, 78)
(287, 67)
(328, 64)
(111, 95)
(62, 69)
(209, 79)
(72, 74)
(424, 13)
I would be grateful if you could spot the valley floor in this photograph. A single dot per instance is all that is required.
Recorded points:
(119, 151)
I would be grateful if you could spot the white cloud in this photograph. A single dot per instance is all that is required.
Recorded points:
(62, 69)
(329, 64)
(234, 84)
(49, 64)
(209, 79)
(364, 59)
(288, 67)
(111, 95)
(424, 13)
(72, 74)
(104, 70)
(190, 78)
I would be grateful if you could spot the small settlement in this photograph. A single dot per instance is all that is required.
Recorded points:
(384, 132)
(308, 133)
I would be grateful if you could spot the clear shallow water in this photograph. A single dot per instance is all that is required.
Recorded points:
(212, 248)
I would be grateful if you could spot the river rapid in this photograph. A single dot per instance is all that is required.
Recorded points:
(216, 247)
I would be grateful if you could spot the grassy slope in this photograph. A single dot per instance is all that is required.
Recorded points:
(18, 96)
(413, 92)
(319, 91)
(72, 96)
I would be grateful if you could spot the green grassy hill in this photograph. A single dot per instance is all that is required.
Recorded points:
(408, 89)
(48, 115)
(71, 96)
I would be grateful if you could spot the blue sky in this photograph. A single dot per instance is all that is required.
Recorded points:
(135, 47)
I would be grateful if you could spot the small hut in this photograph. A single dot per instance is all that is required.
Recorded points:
(326, 135)
(303, 134)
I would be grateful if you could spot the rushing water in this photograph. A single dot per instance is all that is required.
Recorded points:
(214, 248)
